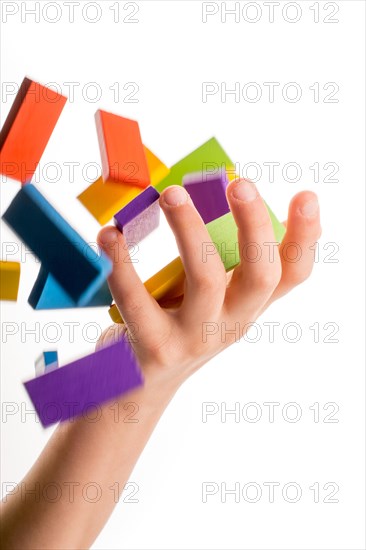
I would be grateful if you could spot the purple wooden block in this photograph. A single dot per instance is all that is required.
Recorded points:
(139, 217)
(207, 191)
(92, 380)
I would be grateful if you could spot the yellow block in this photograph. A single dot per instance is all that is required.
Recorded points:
(115, 314)
(9, 280)
(158, 170)
(168, 281)
(105, 199)
(232, 176)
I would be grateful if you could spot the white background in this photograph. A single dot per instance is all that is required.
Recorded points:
(169, 53)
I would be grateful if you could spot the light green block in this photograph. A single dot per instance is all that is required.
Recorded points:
(208, 156)
(223, 231)
(224, 234)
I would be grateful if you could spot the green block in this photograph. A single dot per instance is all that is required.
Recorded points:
(210, 156)
(224, 234)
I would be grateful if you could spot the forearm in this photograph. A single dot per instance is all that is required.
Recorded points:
(81, 452)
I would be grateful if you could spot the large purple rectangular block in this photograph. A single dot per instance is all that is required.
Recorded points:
(92, 380)
(208, 193)
(139, 217)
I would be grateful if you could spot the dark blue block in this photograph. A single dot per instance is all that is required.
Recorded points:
(64, 254)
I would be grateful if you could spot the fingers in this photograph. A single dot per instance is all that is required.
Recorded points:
(133, 300)
(297, 248)
(259, 271)
(205, 284)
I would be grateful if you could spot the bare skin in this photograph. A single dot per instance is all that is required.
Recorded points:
(169, 347)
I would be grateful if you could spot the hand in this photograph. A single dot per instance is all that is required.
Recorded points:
(172, 343)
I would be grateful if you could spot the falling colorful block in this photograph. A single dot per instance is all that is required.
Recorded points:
(9, 280)
(157, 168)
(209, 157)
(28, 128)
(46, 362)
(73, 263)
(208, 193)
(85, 383)
(103, 201)
(139, 217)
(168, 282)
(224, 235)
(122, 151)
(47, 293)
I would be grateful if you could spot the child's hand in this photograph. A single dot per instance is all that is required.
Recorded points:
(172, 343)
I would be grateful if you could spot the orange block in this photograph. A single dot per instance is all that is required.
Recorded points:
(122, 152)
(105, 199)
(28, 128)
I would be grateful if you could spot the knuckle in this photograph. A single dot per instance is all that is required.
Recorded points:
(268, 280)
(210, 283)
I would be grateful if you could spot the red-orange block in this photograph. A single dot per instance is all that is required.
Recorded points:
(122, 152)
(28, 128)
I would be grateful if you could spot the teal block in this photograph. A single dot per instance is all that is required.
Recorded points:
(47, 293)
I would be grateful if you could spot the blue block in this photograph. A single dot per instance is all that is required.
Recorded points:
(46, 362)
(50, 357)
(48, 294)
(76, 267)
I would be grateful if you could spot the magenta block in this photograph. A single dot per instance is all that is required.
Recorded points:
(86, 383)
(139, 217)
(208, 193)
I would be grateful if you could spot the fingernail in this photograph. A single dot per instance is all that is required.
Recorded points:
(245, 191)
(310, 208)
(108, 237)
(174, 196)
